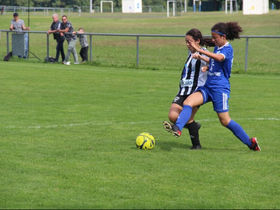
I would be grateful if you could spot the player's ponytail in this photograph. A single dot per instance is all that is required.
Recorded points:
(197, 35)
(230, 30)
(208, 42)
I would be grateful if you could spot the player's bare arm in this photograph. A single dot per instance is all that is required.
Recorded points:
(217, 57)
(200, 57)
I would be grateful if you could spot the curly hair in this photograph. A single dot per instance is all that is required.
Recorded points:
(230, 29)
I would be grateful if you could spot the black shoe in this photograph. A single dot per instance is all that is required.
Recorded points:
(196, 147)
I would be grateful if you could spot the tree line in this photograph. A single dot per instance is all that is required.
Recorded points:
(68, 3)
(117, 3)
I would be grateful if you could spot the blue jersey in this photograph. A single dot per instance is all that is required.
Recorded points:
(219, 72)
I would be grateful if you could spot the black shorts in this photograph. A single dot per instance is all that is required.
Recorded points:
(179, 99)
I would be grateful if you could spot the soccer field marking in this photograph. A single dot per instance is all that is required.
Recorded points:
(80, 124)
(102, 69)
(125, 123)
(244, 119)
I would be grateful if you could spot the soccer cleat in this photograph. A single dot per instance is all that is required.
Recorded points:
(193, 128)
(167, 126)
(76, 63)
(195, 147)
(255, 145)
(171, 128)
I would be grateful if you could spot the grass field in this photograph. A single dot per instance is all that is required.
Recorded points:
(68, 141)
(121, 51)
(68, 133)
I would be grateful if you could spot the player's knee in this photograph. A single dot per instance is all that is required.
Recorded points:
(172, 117)
(224, 122)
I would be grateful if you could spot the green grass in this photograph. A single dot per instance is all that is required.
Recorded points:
(68, 132)
(68, 141)
(161, 53)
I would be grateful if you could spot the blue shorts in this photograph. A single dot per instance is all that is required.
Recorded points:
(219, 98)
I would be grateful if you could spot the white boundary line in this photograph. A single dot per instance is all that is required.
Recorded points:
(124, 123)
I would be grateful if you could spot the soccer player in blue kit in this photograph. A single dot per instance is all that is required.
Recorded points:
(217, 86)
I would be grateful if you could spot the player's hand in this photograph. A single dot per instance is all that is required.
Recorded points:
(196, 56)
(194, 45)
(204, 68)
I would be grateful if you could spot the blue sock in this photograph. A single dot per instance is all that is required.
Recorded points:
(238, 131)
(184, 117)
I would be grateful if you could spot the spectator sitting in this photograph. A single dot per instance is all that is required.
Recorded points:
(18, 26)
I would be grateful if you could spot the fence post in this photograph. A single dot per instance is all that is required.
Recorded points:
(90, 48)
(137, 51)
(246, 53)
(48, 47)
(8, 43)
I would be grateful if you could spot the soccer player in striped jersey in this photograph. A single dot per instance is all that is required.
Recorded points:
(192, 77)
(217, 86)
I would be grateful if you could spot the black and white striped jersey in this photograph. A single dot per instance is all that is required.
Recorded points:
(192, 77)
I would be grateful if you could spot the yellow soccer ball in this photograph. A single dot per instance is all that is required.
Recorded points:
(145, 141)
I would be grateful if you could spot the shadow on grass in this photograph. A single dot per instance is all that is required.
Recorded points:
(168, 146)
(216, 149)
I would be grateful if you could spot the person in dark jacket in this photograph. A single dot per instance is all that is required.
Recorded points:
(59, 37)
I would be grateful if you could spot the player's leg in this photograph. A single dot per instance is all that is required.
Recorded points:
(193, 128)
(194, 100)
(220, 103)
(174, 112)
(238, 131)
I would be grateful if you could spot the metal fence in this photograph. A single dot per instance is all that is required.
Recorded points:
(40, 10)
(78, 9)
(137, 40)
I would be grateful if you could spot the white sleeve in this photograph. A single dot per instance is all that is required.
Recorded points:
(222, 55)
